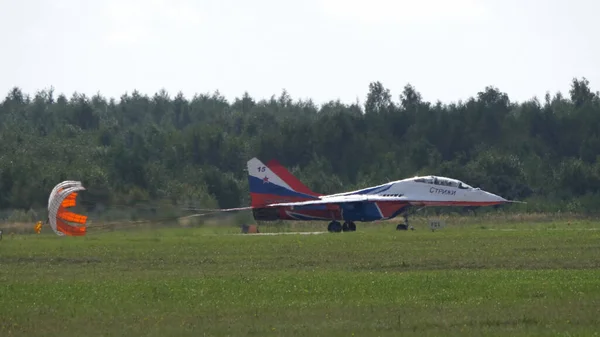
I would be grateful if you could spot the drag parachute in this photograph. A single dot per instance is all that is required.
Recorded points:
(63, 196)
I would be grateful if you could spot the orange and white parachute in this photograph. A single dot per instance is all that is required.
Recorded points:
(63, 196)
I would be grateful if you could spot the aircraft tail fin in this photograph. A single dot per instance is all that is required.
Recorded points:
(273, 183)
(289, 178)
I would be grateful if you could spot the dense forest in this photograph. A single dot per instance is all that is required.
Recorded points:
(182, 152)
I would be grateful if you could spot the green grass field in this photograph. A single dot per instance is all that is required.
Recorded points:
(504, 278)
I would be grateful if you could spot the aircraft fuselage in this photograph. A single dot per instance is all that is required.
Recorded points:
(418, 191)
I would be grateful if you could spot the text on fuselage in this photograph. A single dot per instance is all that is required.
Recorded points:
(436, 190)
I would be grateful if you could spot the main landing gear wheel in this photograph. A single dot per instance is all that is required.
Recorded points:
(334, 227)
(349, 226)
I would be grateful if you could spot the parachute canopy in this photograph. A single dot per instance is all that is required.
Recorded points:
(63, 196)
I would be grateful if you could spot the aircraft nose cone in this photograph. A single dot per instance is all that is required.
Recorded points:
(495, 198)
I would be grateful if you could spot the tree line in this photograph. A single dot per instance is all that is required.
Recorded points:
(192, 152)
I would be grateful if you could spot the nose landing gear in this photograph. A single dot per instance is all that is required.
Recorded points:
(405, 226)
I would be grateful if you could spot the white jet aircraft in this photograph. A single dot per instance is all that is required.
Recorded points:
(277, 195)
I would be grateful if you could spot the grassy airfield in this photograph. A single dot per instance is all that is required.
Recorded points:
(509, 276)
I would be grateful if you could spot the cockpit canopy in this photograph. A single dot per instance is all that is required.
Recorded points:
(443, 181)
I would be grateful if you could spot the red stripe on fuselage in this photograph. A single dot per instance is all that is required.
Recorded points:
(389, 208)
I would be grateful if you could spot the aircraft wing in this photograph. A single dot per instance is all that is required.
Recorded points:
(217, 209)
(341, 199)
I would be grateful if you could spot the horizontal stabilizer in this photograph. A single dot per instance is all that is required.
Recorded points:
(217, 209)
